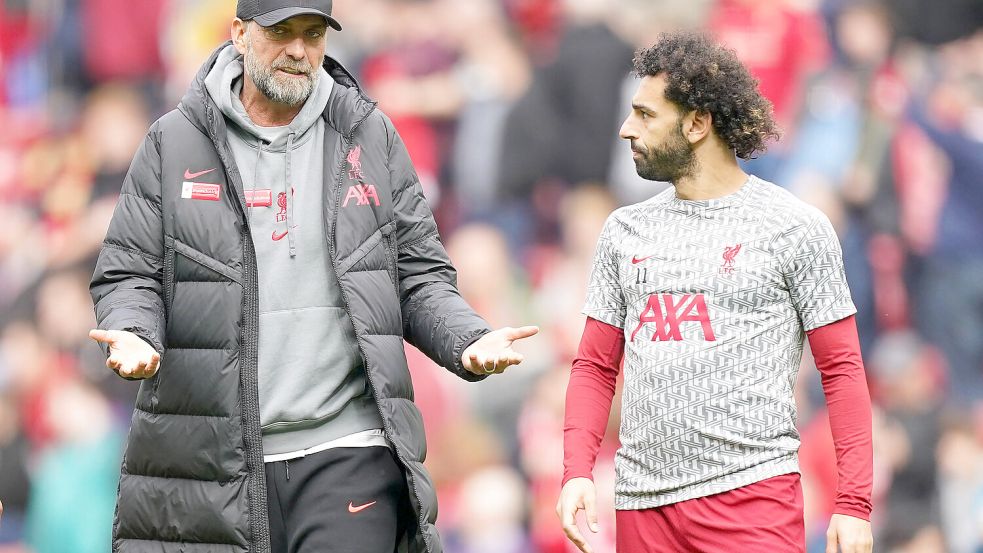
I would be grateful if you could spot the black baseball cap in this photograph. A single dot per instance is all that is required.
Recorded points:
(271, 12)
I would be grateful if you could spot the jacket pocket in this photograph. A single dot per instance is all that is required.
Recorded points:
(168, 275)
(210, 263)
(392, 253)
(168, 299)
(378, 238)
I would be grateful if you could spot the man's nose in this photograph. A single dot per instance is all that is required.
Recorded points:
(295, 49)
(627, 130)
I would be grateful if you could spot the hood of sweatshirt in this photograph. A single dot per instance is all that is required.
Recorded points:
(223, 84)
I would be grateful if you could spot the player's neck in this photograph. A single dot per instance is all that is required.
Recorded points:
(711, 180)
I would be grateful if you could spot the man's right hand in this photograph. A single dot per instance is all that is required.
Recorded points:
(577, 494)
(129, 355)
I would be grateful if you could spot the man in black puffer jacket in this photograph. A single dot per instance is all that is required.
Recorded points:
(271, 250)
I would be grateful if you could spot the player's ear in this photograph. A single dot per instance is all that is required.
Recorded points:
(239, 30)
(697, 125)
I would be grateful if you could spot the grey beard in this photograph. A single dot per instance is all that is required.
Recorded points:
(281, 90)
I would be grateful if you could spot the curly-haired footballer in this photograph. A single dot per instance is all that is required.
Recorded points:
(706, 292)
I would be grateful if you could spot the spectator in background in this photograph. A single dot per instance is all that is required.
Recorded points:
(838, 156)
(191, 30)
(113, 123)
(541, 450)
(491, 73)
(494, 285)
(558, 134)
(906, 381)
(25, 349)
(559, 273)
(14, 480)
(72, 499)
(950, 308)
(411, 76)
(23, 81)
(492, 505)
(781, 43)
(122, 43)
(960, 463)
(21, 252)
(936, 22)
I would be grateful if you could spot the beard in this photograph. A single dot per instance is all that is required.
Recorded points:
(671, 161)
(279, 88)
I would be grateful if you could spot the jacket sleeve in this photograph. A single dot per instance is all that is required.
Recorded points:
(436, 319)
(126, 286)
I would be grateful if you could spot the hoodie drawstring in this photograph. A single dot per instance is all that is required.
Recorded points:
(259, 155)
(288, 189)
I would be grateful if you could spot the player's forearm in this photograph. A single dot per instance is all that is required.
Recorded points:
(588, 407)
(836, 348)
(590, 393)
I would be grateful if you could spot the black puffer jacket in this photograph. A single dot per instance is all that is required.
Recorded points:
(181, 274)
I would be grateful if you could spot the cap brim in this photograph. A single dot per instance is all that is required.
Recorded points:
(276, 16)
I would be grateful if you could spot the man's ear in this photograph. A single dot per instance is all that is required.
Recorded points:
(697, 126)
(239, 30)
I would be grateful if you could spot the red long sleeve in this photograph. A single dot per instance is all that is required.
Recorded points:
(836, 348)
(589, 395)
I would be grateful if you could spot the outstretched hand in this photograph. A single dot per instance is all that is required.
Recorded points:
(129, 355)
(493, 353)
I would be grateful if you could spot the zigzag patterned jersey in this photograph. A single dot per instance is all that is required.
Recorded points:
(714, 297)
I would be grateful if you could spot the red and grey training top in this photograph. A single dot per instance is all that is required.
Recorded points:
(713, 299)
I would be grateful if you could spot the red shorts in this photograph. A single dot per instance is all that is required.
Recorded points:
(764, 517)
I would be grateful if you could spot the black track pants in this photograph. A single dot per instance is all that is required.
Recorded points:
(349, 499)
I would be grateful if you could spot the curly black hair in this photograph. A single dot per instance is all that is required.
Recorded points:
(707, 77)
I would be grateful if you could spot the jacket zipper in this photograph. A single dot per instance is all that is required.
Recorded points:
(252, 441)
(349, 140)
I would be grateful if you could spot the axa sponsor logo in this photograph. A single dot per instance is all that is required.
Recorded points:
(664, 315)
(363, 194)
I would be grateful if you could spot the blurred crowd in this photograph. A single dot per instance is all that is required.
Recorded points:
(510, 111)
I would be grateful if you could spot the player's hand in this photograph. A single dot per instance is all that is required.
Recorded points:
(578, 494)
(493, 353)
(129, 355)
(851, 534)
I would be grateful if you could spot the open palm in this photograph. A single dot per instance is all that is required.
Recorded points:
(129, 355)
(493, 353)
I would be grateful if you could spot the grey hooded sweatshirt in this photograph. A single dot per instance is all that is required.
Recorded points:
(312, 385)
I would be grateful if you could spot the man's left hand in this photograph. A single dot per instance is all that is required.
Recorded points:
(493, 353)
(851, 534)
